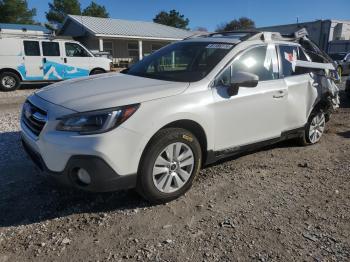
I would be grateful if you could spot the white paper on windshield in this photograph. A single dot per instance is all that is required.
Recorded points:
(219, 46)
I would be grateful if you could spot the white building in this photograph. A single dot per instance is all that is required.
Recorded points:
(126, 41)
(322, 32)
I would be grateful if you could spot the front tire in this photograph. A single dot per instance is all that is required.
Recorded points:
(169, 165)
(9, 81)
(97, 72)
(314, 128)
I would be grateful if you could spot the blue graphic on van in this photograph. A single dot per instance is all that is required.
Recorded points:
(54, 71)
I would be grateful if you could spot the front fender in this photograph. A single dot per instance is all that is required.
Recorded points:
(155, 115)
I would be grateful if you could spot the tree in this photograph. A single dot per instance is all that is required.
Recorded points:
(59, 9)
(16, 12)
(200, 29)
(172, 18)
(240, 24)
(95, 10)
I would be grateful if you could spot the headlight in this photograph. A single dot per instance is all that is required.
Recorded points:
(95, 122)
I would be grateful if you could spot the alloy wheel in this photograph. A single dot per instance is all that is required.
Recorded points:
(173, 167)
(317, 127)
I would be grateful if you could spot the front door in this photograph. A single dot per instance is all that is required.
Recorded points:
(253, 114)
(32, 67)
(77, 61)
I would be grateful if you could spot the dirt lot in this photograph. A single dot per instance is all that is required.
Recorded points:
(283, 203)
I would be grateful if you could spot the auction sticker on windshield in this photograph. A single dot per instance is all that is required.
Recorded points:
(219, 46)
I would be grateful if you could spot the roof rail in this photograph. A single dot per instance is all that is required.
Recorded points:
(24, 33)
(254, 34)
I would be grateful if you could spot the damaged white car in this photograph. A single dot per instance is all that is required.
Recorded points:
(189, 104)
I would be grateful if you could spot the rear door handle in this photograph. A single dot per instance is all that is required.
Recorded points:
(280, 94)
(65, 60)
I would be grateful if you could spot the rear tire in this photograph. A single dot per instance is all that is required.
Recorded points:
(314, 128)
(169, 165)
(9, 81)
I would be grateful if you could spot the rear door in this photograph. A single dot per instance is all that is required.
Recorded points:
(302, 90)
(77, 60)
(52, 60)
(32, 67)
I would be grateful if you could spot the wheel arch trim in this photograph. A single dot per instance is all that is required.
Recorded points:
(12, 70)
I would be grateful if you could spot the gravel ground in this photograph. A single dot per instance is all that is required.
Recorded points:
(282, 203)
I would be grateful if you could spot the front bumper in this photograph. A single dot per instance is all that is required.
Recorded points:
(103, 177)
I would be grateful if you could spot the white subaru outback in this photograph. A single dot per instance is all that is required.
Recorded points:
(191, 103)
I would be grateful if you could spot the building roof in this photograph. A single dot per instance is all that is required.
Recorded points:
(118, 28)
(23, 27)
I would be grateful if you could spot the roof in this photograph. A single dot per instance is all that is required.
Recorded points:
(109, 27)
(25, 27)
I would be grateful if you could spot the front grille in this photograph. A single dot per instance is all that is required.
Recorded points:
(34, 118)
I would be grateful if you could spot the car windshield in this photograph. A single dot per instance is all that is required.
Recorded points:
(337, 57)
(182, 61)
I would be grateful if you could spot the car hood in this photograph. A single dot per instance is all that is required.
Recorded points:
(108, 90)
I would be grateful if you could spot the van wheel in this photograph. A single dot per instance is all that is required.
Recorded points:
(9, 81)
(170, 163)
(314, 128)
(97, 71)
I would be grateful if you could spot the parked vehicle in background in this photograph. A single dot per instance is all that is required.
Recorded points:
(343, 62)
(189, 104)
(26, 58)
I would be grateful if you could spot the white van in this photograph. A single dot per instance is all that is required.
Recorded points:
(44, 59)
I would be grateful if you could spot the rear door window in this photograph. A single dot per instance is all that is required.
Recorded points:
(289, 55)
(51, 49)
(31, 48)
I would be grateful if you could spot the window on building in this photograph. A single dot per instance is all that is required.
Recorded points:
(31, 48)
(133, 49)
(75, 50)
(108, 47)
(51, 49)
(155, 47)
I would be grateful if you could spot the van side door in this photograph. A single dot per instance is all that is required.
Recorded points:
(77, 60)
(52, 61)
(32, 67)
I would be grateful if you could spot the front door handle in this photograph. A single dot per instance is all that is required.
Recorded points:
(65, 60)
(44, 60)
(280, 94)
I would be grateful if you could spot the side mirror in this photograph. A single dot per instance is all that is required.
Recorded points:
(242, 79)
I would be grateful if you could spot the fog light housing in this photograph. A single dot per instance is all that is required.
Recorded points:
(83, 176)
